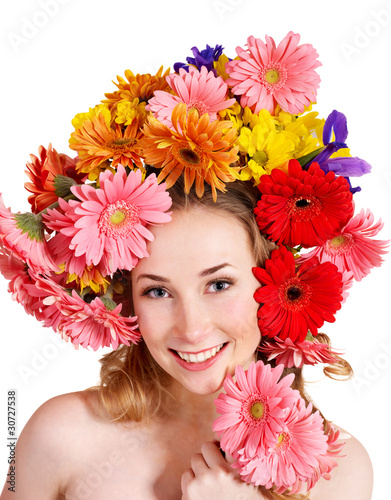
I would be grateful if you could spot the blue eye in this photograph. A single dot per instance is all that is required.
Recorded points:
(156, 293)
(219, 285)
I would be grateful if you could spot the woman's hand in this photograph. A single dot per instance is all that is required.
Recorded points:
(212, 477)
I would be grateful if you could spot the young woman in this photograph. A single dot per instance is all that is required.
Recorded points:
(99, 231)
(146, 432)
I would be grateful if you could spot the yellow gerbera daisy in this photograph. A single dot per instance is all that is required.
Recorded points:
(201, 149)
(267, 149)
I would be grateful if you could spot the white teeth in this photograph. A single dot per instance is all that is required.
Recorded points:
(202, 356)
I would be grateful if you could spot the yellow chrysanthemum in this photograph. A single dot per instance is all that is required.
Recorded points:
(137, 86)
(263, 118)
(267, 149)
(219, 66)
(127, 111)
(80, 118)
(233, 113)
(199, 148)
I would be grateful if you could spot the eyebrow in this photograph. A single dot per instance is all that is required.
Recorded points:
(202, 274)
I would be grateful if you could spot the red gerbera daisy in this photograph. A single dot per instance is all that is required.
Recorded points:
(51, 176)
(295, 301)
(303, 207)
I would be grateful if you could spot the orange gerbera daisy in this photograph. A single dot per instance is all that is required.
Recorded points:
(137, 86)
(96, 143)
(201, 149)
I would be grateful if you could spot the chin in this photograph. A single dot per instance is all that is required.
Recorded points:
(204, 388)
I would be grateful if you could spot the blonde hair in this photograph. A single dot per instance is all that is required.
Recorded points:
(133, 386)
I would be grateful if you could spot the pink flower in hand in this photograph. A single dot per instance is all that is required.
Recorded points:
(253, 408)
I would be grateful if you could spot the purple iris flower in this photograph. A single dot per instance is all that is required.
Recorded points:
(352, 189)
(345, 166)
(204, 58)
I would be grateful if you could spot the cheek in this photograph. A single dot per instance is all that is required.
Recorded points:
(240, 318)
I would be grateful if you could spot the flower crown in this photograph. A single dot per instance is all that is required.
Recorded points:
(213, 120)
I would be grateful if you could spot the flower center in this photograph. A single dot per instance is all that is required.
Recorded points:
(261, 158)
(273, 76)
(339, 245)
(121, 144)
(255, 410)
(191, 158)
(338, 241)
(302, 209)
(283, 443)
(294, 295)
(118, 219)
(199, 106)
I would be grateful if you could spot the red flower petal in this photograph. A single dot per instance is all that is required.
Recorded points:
(303, 207)
(293, 302)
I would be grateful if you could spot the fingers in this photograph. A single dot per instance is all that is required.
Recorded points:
(187, 476)
(198, 464)
(212, 455)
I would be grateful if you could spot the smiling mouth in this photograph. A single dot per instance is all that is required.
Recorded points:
(199, 357)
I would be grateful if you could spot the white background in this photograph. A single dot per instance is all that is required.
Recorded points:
(67, 64)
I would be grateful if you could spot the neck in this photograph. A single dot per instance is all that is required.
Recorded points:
(189, 407)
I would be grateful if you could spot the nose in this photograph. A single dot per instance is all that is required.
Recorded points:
(192, 321)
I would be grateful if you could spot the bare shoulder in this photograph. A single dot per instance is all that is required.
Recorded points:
(53, 433)
(352, 478)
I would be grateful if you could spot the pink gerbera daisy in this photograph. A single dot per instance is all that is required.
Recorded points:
(326, 461)
(294, 456)
(23, 235)
(253, 408)
(92, 324)
(200, 90)
(16, 271)
(110, 222)
(289, 353)
(266, 75)
(353, 249)
(59, 246)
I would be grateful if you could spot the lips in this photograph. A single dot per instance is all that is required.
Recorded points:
(198, 361)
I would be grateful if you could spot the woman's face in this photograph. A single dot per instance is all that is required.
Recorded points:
(194, 298)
